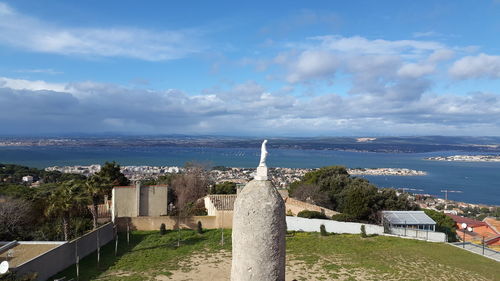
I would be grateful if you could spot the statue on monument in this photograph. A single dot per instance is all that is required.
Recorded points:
(263, 154)
(262, 168)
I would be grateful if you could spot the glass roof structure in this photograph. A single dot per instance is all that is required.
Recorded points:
(407, 218)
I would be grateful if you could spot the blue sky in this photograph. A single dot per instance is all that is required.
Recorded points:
(285, 68)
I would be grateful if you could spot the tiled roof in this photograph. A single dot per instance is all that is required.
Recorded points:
(223, 202)
(468, 221)
(493, 223)
(133, 186)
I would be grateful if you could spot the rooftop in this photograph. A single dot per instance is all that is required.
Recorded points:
(407, 217)
(468, 221)
(22, 252)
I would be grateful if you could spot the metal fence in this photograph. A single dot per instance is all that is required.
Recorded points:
(417, 234)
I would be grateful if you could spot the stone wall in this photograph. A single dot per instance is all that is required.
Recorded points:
(153, 223)
(295, 206)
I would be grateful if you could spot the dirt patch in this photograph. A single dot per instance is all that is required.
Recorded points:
(217, 266)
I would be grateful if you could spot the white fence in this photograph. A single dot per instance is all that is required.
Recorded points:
(312, 225)
(418, 234)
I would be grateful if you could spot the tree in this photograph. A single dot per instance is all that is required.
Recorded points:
(111, 171)
(16, 218)
(64, 201)
(312, 194)
(96, 188)
(358, 200)
(189, 187)
(443, 224)
(226, 187)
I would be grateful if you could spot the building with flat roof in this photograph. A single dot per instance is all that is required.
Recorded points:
(408, 219)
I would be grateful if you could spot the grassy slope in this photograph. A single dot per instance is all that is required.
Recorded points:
(375, 258)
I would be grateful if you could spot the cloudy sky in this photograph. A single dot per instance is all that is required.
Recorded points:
(276, 68)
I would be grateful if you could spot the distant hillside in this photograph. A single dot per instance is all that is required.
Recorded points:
(371, 144)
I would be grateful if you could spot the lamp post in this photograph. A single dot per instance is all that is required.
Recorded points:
(464, 227)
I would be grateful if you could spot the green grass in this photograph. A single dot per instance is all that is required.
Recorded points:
(348, 256)
(149, 254)
(390, 258)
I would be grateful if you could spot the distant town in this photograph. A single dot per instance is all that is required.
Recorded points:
(467, 158)
(281, 177)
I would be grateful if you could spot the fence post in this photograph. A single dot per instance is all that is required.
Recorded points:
(116, 243)
(77, 268)
(98, 248)
(128, 234)
(483, 245)
(77, 261)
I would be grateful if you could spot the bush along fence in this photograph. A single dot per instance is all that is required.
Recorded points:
(67, 254)
(313, 225)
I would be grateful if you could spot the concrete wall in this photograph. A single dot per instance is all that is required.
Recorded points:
(419, 234)
(63, 256)
(312, 225)
(153, 223)
(154, 199)
(131, 201)
(124, 202)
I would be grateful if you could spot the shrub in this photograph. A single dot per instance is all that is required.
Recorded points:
(311, 215)
(363, 231)
(322, 230)
(289, 213)
(343, 217)
(163, 229)
(199, 228)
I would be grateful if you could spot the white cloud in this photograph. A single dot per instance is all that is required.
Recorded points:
(89, 107)
(312, 64)
(32, 34)
(358, 44)
(5, 9)
(38, 85)
(414, 70)
(479, 66)
(425, 34)
(43, 71)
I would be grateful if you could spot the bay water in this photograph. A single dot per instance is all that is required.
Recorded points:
(478, 181)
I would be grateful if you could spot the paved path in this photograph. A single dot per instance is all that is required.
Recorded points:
(478, 249)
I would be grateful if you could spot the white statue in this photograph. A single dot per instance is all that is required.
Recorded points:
(263, 154)
(262, 168)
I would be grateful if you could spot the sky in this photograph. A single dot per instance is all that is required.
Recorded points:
(255, 68)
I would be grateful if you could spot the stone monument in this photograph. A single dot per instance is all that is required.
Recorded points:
(259, 227)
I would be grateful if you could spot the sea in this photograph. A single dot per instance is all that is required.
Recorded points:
(476, 182)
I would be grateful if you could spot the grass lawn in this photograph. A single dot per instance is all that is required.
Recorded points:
(151, 256)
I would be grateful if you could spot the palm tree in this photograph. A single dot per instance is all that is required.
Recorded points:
(96, 187)
(64, 201)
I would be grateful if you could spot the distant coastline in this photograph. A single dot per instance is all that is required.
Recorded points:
(477, 145)
(386, 172)
(466, 158)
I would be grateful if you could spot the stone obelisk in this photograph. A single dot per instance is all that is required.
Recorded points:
(259, 227)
